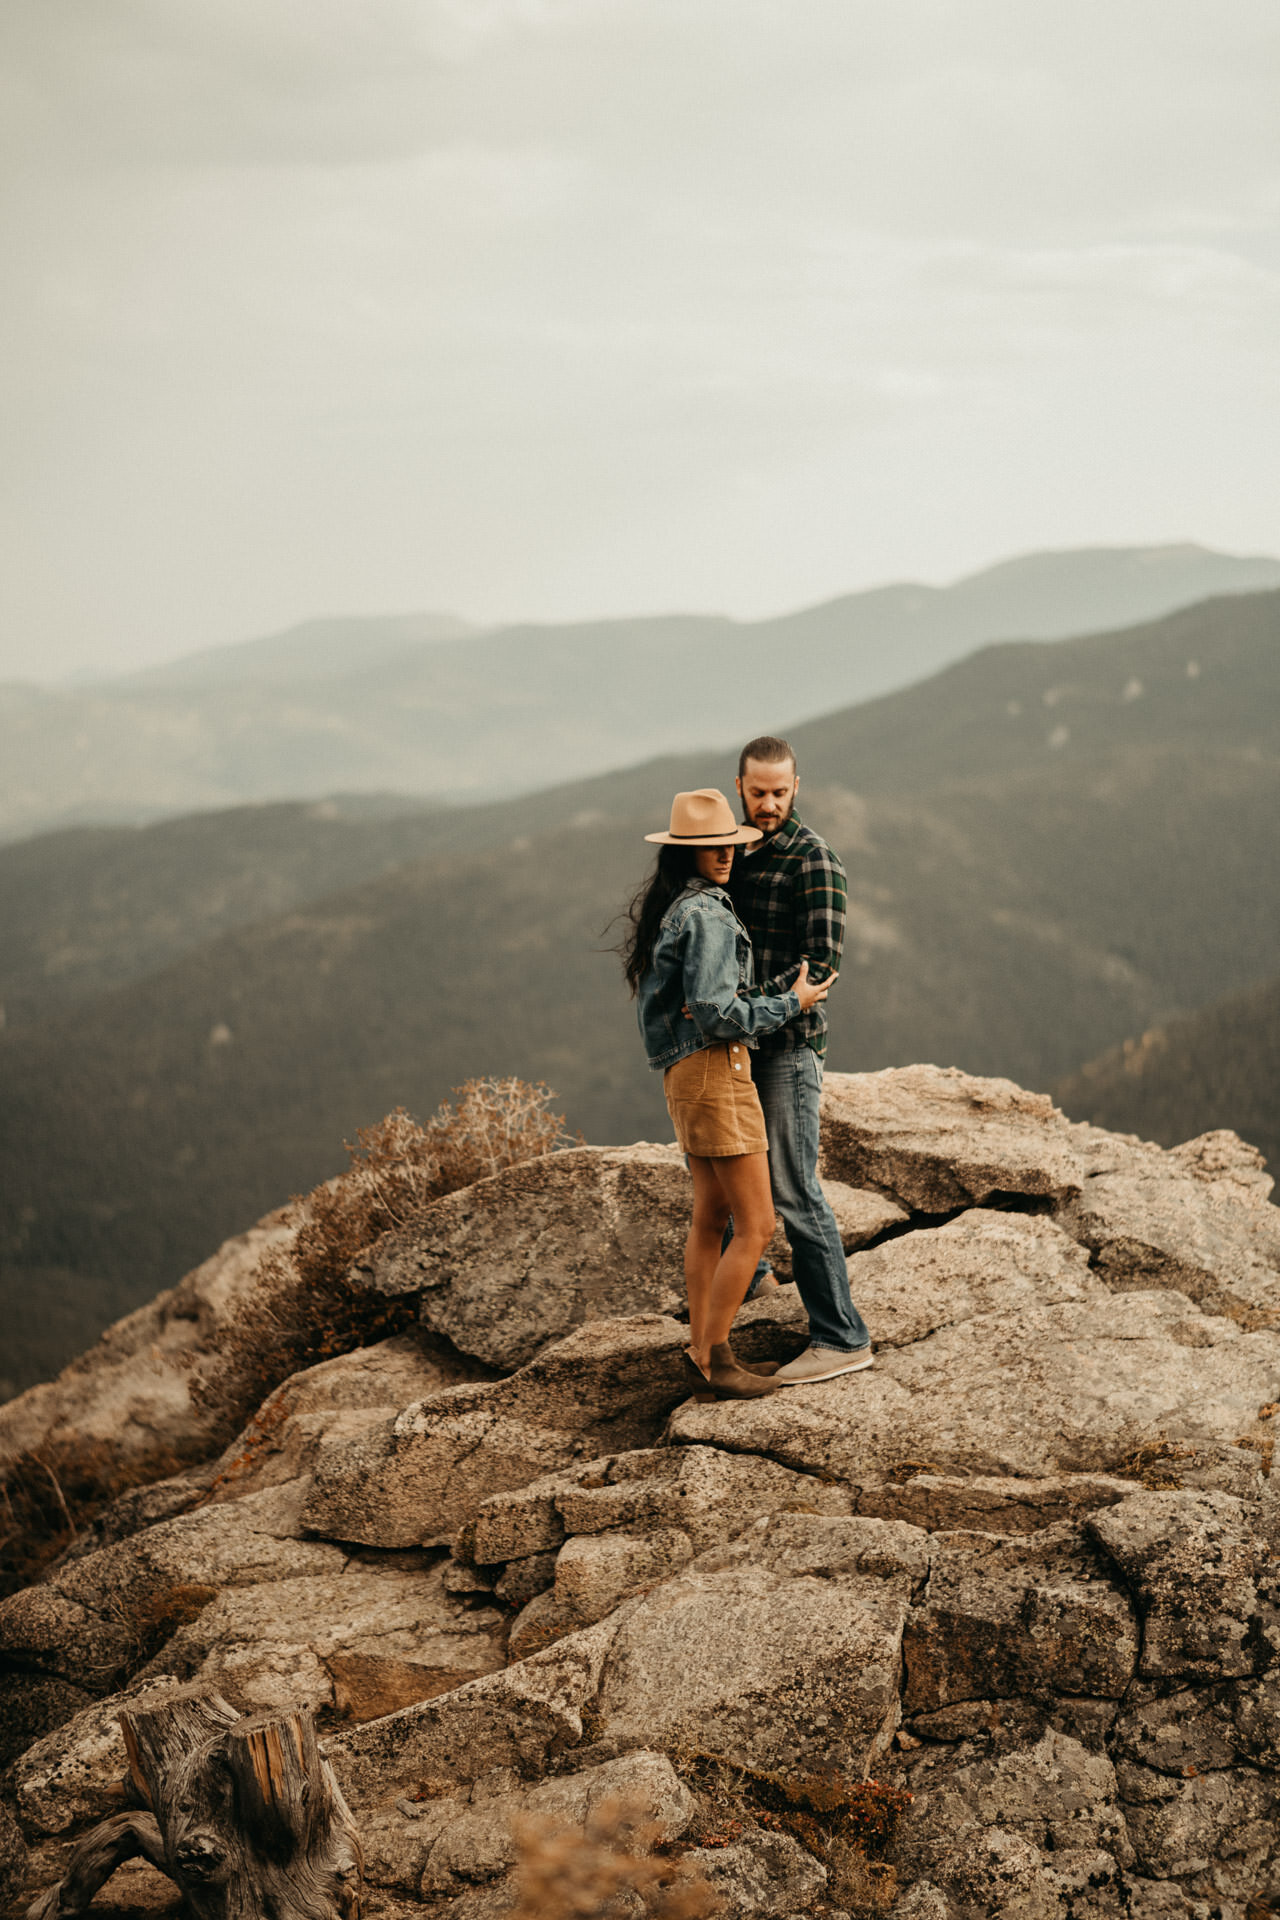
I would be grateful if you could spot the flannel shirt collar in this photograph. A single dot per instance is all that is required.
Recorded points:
(776, 842)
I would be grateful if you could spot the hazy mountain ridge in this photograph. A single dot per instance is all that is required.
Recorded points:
(310, 648)
(519, 707)
(77, 905)
(92, 908)
(1015, 907)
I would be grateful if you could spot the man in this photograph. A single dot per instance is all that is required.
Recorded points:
(789, 892)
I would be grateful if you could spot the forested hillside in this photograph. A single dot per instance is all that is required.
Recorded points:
(1050, 848)
(1219, 1067)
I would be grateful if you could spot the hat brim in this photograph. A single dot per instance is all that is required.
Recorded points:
(743, 837)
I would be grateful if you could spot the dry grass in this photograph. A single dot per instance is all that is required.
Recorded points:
(307, 1308)
(1150, 1465)
(48, 1496)
(304, 1308)
(610, 1867)
(398, 1168)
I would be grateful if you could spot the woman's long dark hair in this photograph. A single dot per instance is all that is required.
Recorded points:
(675, 868)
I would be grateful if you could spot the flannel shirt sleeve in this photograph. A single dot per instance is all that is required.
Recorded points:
(826, 908)
(822, 909)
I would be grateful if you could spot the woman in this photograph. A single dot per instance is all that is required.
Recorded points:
(687, 960)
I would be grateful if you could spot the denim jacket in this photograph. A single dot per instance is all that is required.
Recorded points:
(702, 960)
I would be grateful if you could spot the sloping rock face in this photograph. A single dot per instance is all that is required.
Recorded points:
(138, 1391)
(509, 1265)
(164, 1388)
(503, 1268)
(934, 1138)
(990, 1629)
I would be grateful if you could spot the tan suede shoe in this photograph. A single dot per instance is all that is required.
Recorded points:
(821, 1363)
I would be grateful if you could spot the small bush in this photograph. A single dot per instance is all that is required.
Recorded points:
(607, 1867)
(398, 1168)
(306, 1308)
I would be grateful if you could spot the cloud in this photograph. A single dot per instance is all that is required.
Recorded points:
(541, 306)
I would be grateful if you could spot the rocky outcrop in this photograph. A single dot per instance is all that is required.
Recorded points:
(1197, 1219)
(508, 1266)
(156, 1561)
(934, 1139)
(504, 1267)
(1073, 1379)
(146, 1393)
(415, 1477)
(992, 1628)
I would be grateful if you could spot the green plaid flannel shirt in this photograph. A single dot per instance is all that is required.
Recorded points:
(791, 898)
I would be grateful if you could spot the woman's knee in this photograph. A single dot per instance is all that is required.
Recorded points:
(710, 1215)
(758, 1224)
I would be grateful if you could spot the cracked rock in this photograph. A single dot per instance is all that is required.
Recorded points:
(517, 1261)
(761, 1874)
(1025, 1617)
(415, 1478)
(1194, 1564)
(934, 1139)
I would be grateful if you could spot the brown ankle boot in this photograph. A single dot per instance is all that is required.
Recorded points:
(695, 1379)
(729, 1381)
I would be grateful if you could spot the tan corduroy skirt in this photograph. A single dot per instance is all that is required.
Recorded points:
(714, 1108)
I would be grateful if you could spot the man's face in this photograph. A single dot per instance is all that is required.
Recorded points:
(768, 794)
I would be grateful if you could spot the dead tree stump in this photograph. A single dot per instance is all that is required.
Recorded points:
(246, 1818)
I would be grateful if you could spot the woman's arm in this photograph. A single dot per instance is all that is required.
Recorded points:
(709, 954)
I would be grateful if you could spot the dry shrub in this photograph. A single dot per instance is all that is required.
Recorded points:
(866, 1888)
(813, 1806)
(49, 1496)
(398, 1168)
(608, 1867)
(306, 1308)
(1150, 1464)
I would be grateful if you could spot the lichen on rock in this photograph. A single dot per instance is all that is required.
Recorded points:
(992, 1628)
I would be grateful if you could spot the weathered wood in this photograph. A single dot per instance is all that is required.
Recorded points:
(121, 1838)
(247, 1818)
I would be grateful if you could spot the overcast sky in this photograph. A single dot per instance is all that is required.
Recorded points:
(554, 308)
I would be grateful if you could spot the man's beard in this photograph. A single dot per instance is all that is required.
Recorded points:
(774, 826)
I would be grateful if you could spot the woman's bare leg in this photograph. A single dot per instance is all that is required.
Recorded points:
(717, 1282)
(702, 1250)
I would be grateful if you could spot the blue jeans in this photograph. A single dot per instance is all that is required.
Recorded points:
(790, 1086)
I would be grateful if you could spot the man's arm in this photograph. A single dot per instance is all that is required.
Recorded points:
(778, 982)
(821, 908)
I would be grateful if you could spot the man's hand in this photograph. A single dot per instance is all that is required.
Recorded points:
(810, 991)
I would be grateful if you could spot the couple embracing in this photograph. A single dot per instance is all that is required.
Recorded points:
(733, 946)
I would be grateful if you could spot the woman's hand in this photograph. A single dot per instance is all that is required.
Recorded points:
(808, 991)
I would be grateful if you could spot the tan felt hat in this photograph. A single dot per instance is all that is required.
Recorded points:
(704, 818)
